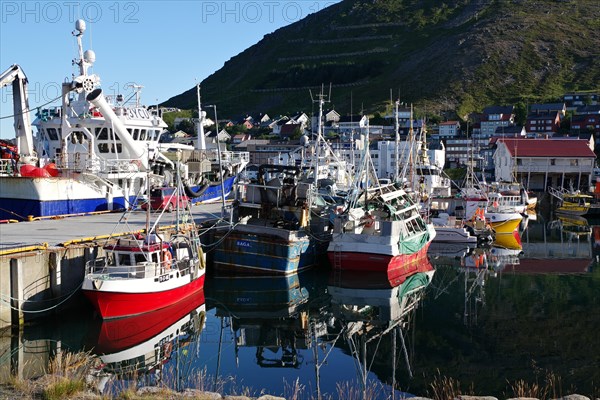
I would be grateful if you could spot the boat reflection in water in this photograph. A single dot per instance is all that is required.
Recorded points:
(295, 322)
(366, 309)
(137, 349)
(270, 313)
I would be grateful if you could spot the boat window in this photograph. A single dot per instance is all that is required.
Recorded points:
(52, 134)
(103, 147)
(143, 134)
(102, 133)
(139, 258)
(136, 134)
(124, 259)
(119, 148)
(154, 258)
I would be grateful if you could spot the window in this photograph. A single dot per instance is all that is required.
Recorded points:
(574, 162)
(52, 133)
(552, 161)
(519, 161)
(102, 133)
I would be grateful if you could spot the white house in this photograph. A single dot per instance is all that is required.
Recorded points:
(540, 163)
(449, 129)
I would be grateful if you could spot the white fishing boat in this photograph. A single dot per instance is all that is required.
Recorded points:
(93, 152)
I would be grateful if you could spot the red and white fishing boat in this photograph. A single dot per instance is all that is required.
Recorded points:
(384, 234)
(147, 271)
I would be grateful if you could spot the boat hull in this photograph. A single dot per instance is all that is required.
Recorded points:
(506, 226)
(395, 268)
(22, 198)
(453, 235)
(213, 192)
(118, 304)
(260, 253)
(117, 335)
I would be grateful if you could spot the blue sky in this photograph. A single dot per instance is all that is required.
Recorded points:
(166, 46)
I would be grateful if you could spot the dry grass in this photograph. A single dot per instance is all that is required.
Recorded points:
(444, 387)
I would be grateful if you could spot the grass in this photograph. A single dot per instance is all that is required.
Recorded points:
(63, 388)
(68, 375)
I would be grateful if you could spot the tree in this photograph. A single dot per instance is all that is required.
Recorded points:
(187, 126)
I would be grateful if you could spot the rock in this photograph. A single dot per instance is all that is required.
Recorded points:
(152, 390)
(465, 397)
(573, 397)
(523, 398)
(236, 398)
(269, 397)
(201, 394)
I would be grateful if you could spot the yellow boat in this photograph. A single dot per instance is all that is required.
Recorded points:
(504, 222)
(577, 204)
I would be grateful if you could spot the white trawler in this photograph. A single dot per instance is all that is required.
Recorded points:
(91, 154)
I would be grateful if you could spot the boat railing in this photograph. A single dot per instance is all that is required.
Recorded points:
(228, 157)
(95, 164)
(101, 268)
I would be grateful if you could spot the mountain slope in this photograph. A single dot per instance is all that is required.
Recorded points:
(440, 55)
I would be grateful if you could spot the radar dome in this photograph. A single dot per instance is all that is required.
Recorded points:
(80, 25)
(89, 56)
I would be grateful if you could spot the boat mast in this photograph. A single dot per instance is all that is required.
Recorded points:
(317, 153)
(411, 139)
(222, 176)
(397, 150)
(200, 140)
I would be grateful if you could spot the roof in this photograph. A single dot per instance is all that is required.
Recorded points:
(547, 106)
(547, 147)
(498, 110)
(589, 109)
(449, 123)
(512, 129)
(551, 114)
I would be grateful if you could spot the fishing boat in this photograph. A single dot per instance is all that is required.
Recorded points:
(275, 228)
(380, 228)
(575, 204)
(94, 151)
(146, 271)
(384, 233)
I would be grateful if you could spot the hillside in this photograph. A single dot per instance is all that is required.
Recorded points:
(440, 55)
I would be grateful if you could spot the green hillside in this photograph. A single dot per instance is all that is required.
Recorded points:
(443, 56)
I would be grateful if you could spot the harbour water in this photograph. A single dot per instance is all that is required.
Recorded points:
(490, 317)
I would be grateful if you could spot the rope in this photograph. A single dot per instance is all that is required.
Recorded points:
(21, 113)
(34, 301)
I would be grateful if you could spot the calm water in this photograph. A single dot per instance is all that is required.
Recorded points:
(490, 316)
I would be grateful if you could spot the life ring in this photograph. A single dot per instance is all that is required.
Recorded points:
(168, 259)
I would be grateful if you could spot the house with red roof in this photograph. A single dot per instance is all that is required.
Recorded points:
(540, 163)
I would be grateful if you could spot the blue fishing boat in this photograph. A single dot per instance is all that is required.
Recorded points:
(275, 229)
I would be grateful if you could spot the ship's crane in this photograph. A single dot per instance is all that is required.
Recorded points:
(15, 76)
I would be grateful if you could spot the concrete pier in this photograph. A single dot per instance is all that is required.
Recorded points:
(42, 263)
